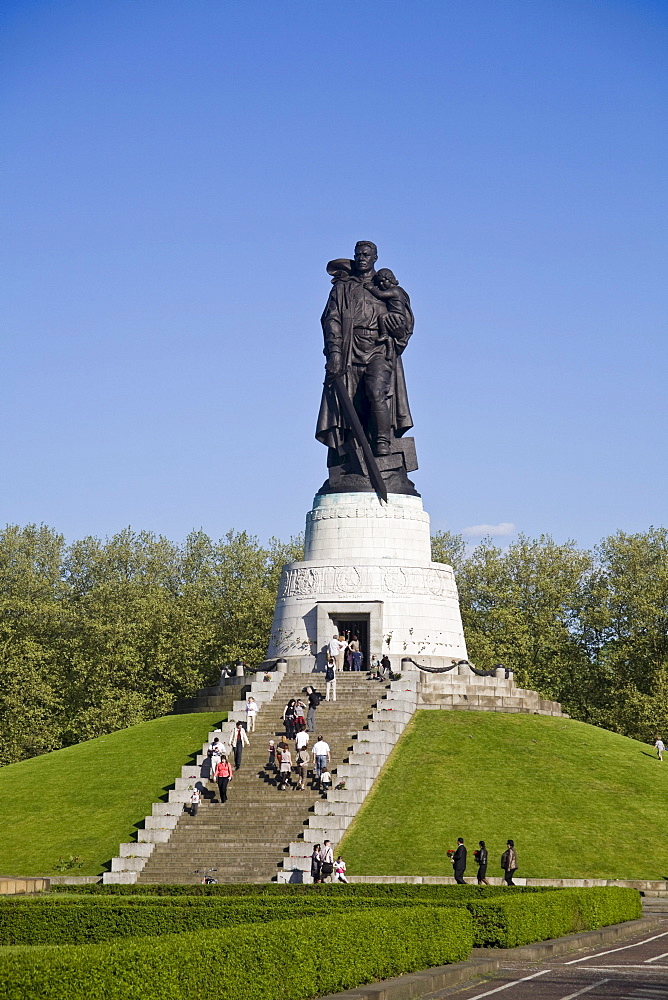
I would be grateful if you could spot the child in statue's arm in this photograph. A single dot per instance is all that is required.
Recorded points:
(386, 287)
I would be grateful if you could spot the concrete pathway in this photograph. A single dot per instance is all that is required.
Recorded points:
(636, 968)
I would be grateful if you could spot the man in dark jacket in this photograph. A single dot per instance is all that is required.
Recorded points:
(314, 699)
(459, 862)
(509, 862)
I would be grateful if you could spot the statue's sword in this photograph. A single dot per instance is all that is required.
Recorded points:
(346, 402)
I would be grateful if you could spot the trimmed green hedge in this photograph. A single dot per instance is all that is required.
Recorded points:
(503, 918)
(91, 920)
(85, 919)
(291, 959)
(514, 921)
(285, 890)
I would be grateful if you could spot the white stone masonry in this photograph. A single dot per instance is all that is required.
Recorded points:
(369, 559)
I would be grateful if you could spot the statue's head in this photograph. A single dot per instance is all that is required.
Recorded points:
(366, 255)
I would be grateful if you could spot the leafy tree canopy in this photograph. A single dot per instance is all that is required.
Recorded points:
(99, 635)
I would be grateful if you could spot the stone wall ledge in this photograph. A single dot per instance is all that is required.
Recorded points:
(642, 885)
(20, 885)
(387, 725)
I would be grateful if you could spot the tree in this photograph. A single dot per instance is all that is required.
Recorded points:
(448, 548)
(33, 621)
(520, 608)
(103, 634)
(625, 623)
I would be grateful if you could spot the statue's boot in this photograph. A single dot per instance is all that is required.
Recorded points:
(383, 430)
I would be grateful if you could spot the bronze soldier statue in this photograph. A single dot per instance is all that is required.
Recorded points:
(366, 324)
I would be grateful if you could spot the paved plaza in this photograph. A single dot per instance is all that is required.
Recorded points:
(634, 970)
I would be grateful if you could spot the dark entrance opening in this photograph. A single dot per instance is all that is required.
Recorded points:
(356, 627)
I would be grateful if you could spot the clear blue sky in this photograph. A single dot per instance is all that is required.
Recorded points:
(175, 176)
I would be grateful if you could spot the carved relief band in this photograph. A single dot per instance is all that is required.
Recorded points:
(388, 512)
(354, 581)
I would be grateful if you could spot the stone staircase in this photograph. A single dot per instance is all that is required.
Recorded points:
(159, 826)
(247, 838)
(462, 690)
(655, 902)
(262, 833)
(213, 699)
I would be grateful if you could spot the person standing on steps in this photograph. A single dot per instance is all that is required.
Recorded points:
(316, 863)
(459, 862)
(341, 655)
(327, 861)
(333, 648)
(509, 862)
(215, 752)
(285, 769)
(251, 712)
(302, 769)
(321, 755)
(314, 699)
(385, 667)
(289, 718)
(195, 800)
(300, 716)
(482, 863)
(238, 740)
(301, 741)
(223, 778)
(330, 681)
(282, 745)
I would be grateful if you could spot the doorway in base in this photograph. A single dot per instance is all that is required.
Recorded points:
(356, 626)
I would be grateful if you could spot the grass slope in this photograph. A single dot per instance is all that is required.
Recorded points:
(578, 801)
(87, 799)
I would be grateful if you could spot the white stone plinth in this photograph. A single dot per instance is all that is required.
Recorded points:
(347, 527)
(369, 559)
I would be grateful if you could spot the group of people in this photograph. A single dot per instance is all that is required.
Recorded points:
(298, 716)
(323, 865)
(344, 654)
(220, 769)
(508, 862)
(380, 669)
(299, 721)
(281, 761)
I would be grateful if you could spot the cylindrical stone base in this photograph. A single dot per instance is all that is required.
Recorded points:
(371, 562)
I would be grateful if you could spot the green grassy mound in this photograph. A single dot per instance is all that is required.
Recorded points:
(86, 799)
(577, 800)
